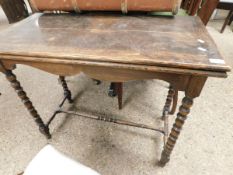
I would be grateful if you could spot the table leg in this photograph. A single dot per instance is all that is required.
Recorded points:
(112, 90)
(116, 89)
(67, 92)
(167, 106)
(176, 129)
(231, 19)
(119, 89)
(26, 101)
(174, 103)
(227, 21)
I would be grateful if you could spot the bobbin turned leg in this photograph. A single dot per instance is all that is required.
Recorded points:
(175, 132)
(67, 92)
(26, 101)
(167, 106)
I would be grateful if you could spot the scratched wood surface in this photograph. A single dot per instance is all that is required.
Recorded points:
(179, 42)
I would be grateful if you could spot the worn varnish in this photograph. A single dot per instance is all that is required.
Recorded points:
(180, 42)
(115, 48)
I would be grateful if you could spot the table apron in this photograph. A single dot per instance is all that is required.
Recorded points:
(179, 81)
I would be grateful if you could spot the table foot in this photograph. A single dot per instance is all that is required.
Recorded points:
(27, 103)
(45, 131)
(164, 159)
(169, 100)
(176, 129)
(67, 92)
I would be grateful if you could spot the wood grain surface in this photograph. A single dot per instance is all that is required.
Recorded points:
(180, 42)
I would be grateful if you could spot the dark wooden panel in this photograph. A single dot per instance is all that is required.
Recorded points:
(15, 10)
(225, 5)
(207, 10)
(181, 42)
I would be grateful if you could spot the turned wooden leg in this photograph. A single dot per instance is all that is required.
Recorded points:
(176, 129)
(167, 106)
(67, 92)
(26, 101)
(174, 103)
(119, 90)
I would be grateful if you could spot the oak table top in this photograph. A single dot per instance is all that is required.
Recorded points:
(179, 42)
(116, 48)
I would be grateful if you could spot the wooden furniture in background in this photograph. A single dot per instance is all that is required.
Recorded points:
(15, 10)
(115, 48)
(209, 7)
(205, 9)
(226, 5)
(103, 5)
(191, 6)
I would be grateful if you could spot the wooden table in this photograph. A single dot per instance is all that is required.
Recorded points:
(115, 48)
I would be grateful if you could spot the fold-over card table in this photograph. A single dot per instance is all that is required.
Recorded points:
(115, 48)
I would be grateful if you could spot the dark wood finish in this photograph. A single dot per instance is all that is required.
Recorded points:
(119, 48)
(226, 6)
(113, 120)
(231, 19)
(91, 38)
(169, 101)
(15, 10)
(174, 103)
(228, 20)
(185, 4)
(191, 6)
(193, 90)
(196, 7)
(207, 10)
(67, 92)
(116, 89)
(209, 7)
(26, 101)
(176, 129)
(119, 90)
